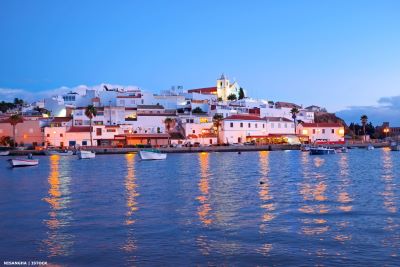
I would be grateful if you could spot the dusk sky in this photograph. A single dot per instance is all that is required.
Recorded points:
(342, 55)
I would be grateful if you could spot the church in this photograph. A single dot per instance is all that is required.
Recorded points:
(223, 89)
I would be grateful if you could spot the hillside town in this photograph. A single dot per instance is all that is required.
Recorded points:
(221, 114)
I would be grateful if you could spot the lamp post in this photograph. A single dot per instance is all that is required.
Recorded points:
(386, 131)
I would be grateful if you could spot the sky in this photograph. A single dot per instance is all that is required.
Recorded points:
(342, 55)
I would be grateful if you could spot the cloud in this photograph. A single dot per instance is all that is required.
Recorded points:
(8, 94)
(387, 109)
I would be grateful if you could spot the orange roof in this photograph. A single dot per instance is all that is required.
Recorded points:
(206, 90)
(243, 117)
(321, 125)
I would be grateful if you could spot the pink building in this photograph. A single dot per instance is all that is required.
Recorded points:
(28, 132)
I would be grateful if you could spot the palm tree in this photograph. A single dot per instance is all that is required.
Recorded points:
(294, 111)
(91, 112)
(364, 120)
(14, 120)
(217, 123)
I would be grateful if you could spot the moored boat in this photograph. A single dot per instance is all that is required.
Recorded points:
(395, 146)
(152, 154)
(23, 162)
(342, 150)
(59, 152)
(322, 151)
(84, 154)
(4, 153)
(370, 147)
(305, 148)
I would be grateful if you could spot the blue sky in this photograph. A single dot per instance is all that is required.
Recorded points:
(343, 55)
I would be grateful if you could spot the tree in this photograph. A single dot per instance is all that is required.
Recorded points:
(197, 110)
(219, 99)
(294, 112)
(241, 93)
(91, 112)
(364, 120)
(168, 122)
(14, 120)
(232, 97)
(217, 123)
(6, 141)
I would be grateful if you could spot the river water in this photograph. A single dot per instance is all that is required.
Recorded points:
(280, 208)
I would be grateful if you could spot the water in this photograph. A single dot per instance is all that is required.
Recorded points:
(204, 209)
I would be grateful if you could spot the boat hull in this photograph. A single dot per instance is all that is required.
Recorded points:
(86, 155)
(148, 155)
(322, 151)
(4, 153)
(23, 162)
(395, 147)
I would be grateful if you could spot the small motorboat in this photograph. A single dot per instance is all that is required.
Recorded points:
(305, 148)
(370, 147)
(152, 154)
(395, 146)
(19, 162)
(322, 151)
(342, 150)
(59, 152)
(84, 154)
(5, 153)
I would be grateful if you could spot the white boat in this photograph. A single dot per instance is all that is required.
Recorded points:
(83, 154)
(395, 146)
(59, 152)
(342, 150)
(370, 147)
(23, 162)
(322, 151)
(152, 154)
(305, 148)
(4, 153)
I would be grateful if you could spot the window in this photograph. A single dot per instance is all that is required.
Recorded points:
(272, 125)
(333, 131)
(84, 143)
(323, 131)
(285, 125)
(98, 131)
(255, 125)
(241, 124)
(48, 135)
(263, 125)
(194, 131)
(313, 131)
(61, 135)
(111, 131)
(249, 125)
(231, 124)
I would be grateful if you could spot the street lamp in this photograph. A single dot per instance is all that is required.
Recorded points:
(386, 131)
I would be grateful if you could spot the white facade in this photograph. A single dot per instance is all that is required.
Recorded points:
(236, 128)
(322, 132)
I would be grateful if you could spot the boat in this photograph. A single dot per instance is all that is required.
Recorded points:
(84, 154)
(19, 162)
(305, 148)
(152, 154)
(342, 150)
(59, 152)
(322, 151)
(5, 153)
(395, 146)
(370, 147)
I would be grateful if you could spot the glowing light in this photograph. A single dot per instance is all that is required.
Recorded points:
(305, 132)
(341, 131)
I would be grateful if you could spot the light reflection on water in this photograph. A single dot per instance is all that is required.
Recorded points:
(392, 240)
(131, 204)
(58, 242)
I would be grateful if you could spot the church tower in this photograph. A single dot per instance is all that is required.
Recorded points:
(223, 87)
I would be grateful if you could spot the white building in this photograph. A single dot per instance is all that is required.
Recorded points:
(321, 132)
(236, 128)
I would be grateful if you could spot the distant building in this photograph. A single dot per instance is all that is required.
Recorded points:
(323, 133)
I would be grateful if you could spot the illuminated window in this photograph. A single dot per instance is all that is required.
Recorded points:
(203, 120)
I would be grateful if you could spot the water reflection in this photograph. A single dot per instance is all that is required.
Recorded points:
(313, 192)
(131, 203)
(389, 203)
(266, 198)
(58, 242)
(344, 199)
(204, 209)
